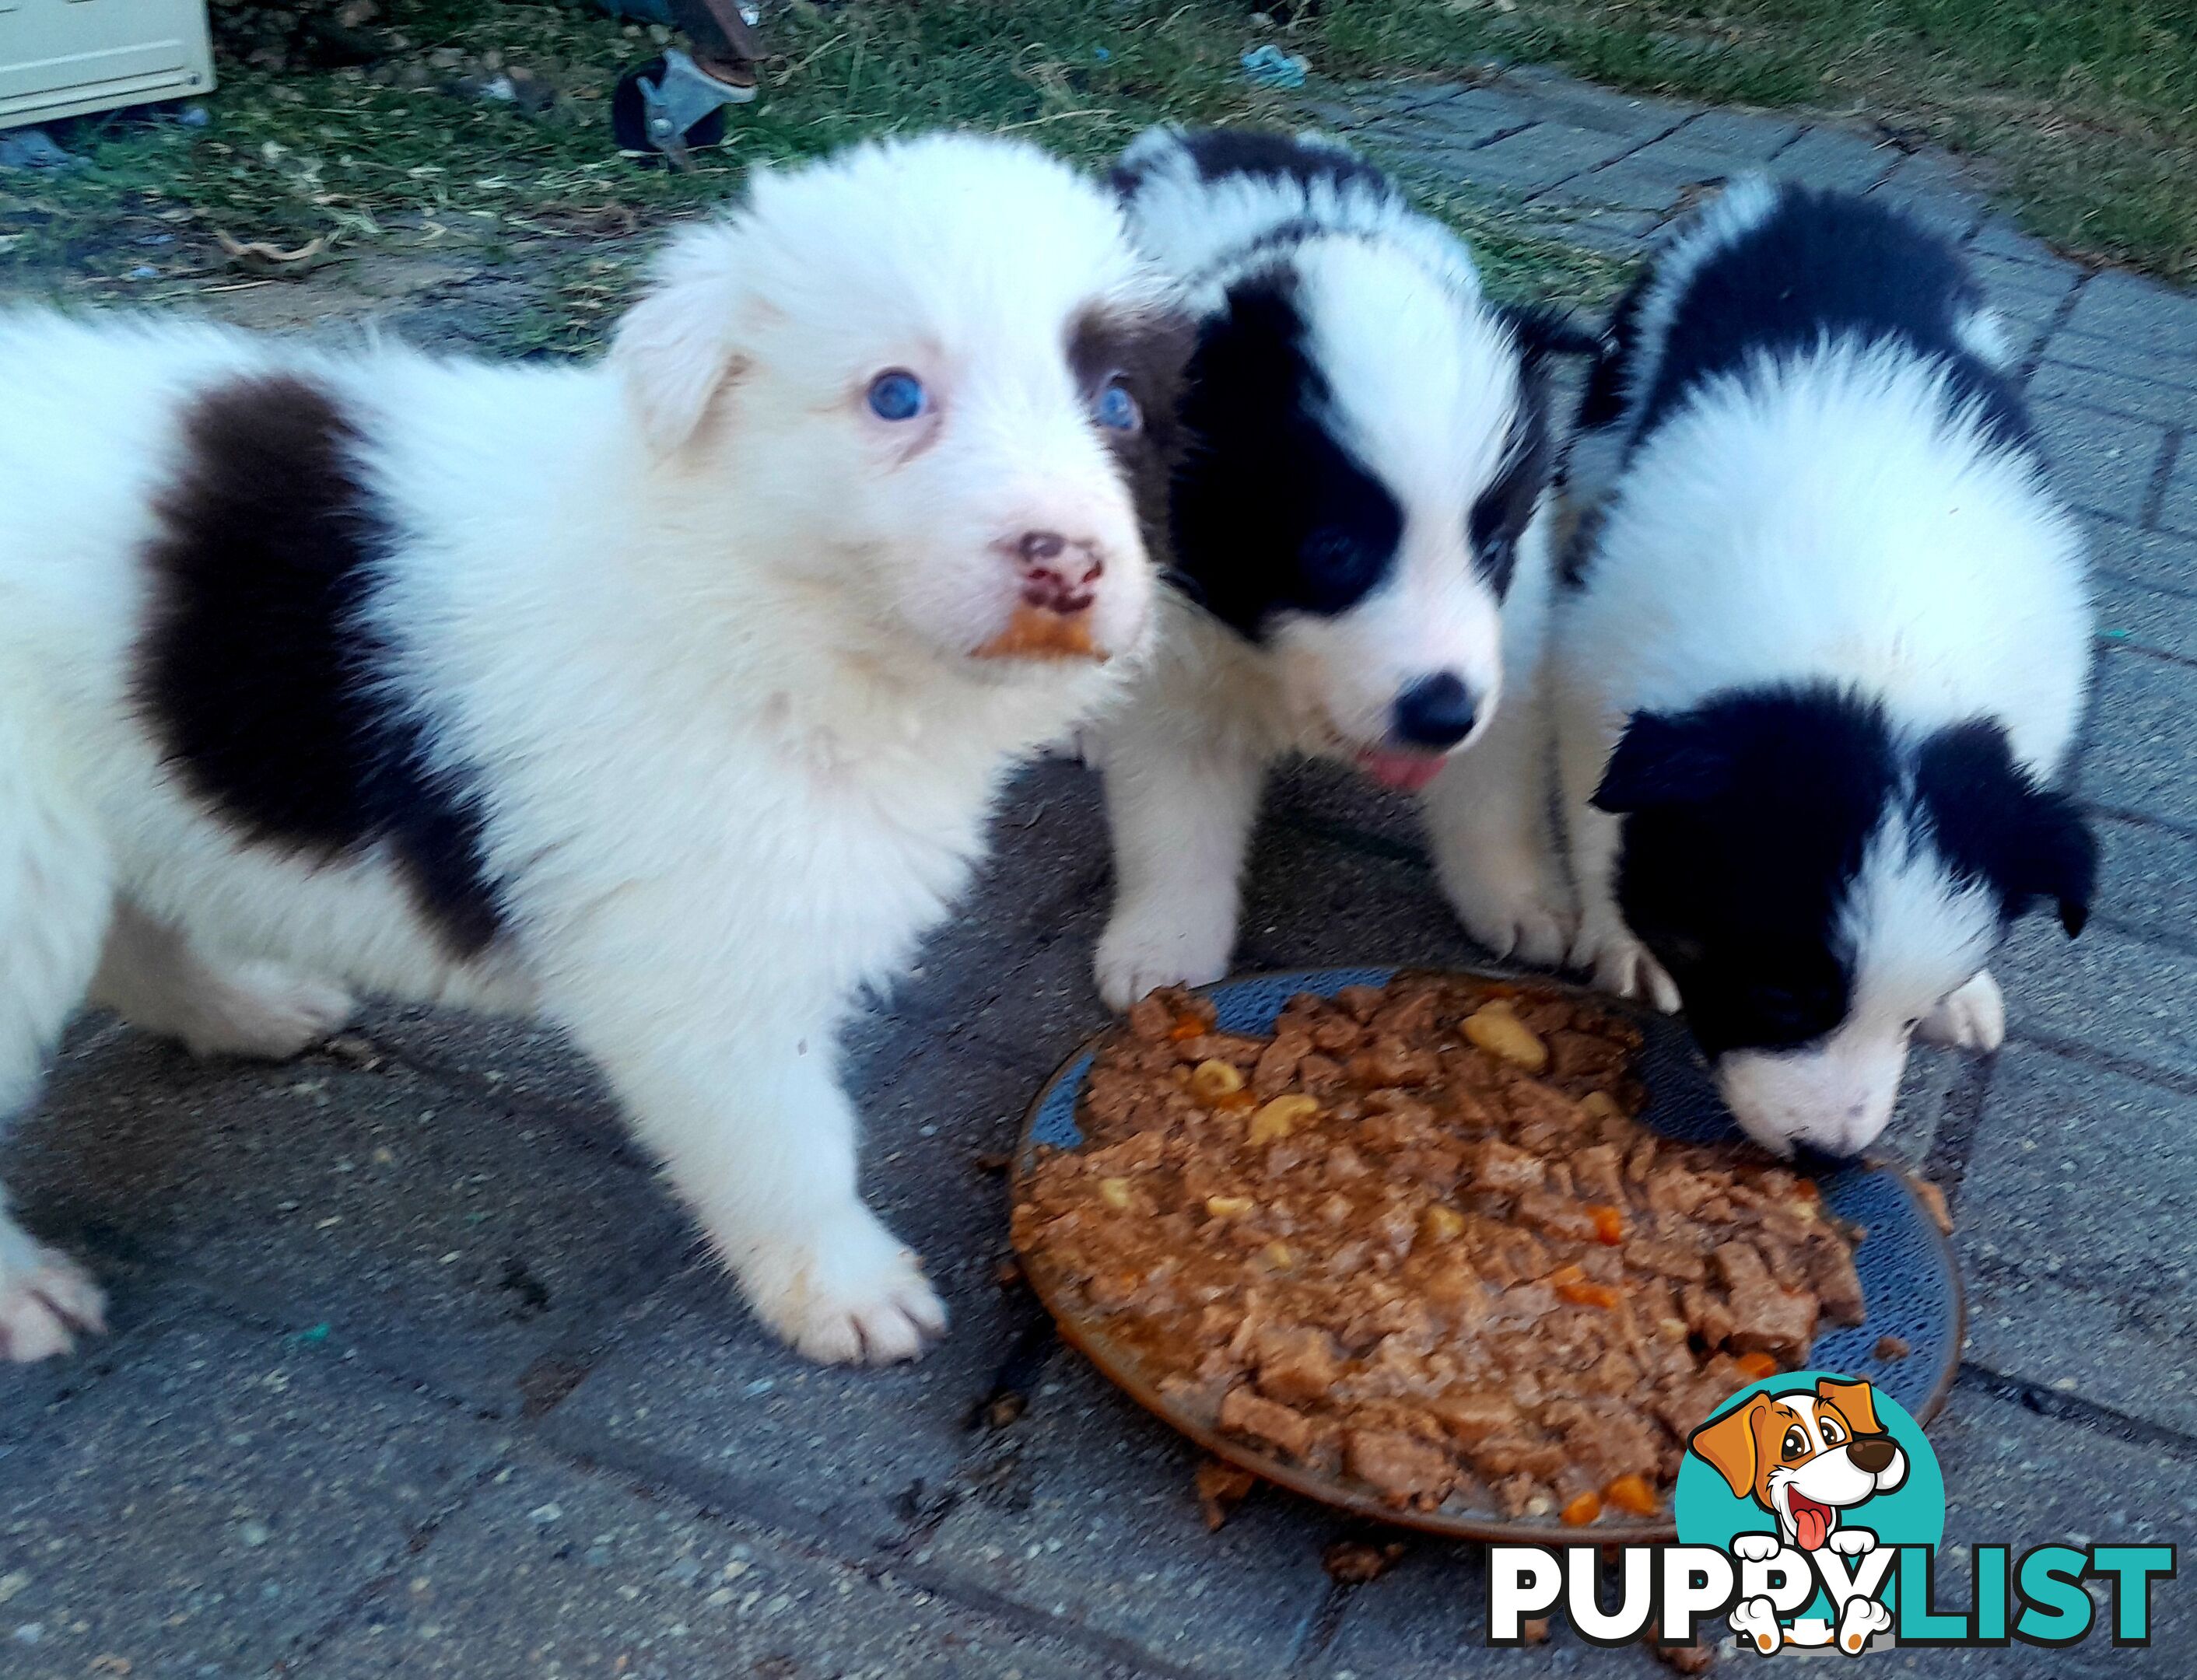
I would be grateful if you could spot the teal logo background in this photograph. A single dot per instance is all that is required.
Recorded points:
(1709, 1513)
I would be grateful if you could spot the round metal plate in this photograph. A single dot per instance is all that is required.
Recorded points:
(1910, 1283)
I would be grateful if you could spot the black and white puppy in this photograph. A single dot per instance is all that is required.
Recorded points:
(665, 697)
(1822, 647)
(1358, 537)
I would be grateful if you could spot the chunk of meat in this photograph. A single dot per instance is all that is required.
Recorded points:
(1276, 1070)
(1597, 1174)
(1406, 1471)
(1666, 1257)
(1765, 1318)
(1675, 1193)
(1472, 1418)
(1837, 1286)
(1498, 1167)
(1250, 1413)
(1150, 1019)
(1297, 1364)
(1392, 1060)
(1707, 1316)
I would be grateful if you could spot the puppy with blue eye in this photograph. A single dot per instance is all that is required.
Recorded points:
(665, 698)
(1822, 647)
(1358, 538)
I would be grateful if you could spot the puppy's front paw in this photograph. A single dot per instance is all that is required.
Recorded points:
(1852, 1542)
(1510, 906)
(1756, 1548)
(267, 1011)
(1755, 1619)
(1624, 967)
(45, 1298)
(1150, 945)
(1972, 1018)
(1859, 1622)
(846, 1291)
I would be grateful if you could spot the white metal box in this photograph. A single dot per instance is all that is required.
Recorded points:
(60, 58)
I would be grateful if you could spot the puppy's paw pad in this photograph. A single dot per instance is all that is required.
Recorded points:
(45, 1298)
(1972, 1018)
(271, 1013)
(850, 1293)
(1139, 952)
(1861, 1620)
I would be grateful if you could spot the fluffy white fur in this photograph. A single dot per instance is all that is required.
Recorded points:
(1823, 519)
(700, 622)
(1423, 379)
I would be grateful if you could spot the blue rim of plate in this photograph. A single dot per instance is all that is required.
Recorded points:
(1911, 1282)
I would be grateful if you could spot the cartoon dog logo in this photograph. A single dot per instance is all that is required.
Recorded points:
(1807, 1458)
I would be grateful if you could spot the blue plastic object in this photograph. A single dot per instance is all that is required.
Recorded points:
(1909, 1283)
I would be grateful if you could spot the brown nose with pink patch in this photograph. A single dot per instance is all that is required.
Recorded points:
(1057, 575)
(1051, 619)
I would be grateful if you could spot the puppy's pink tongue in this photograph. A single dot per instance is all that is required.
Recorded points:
(1405, 772)
(1811, 1523)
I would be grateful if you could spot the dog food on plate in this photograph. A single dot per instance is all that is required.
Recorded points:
(1413, 1237)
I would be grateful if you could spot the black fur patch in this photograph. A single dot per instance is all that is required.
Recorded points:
(1150, 353)
(1219, 151)
(1827, 264)
(258, 672)
(1270, 513)
(1744, 821)
(1995, 824)
(1506, 506)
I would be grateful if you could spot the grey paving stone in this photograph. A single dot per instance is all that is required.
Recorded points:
(2100, 462)
(1581, 105)
(2105, 993)
(2142, 313)
(2129, 358)
(2095, 388)
(551, 1573)
(693, 1388)
(213, 1503)
(1084, 1513)
(1540, 158)
(1472, 116)
(2135, 615)
(1314, 901)
(1625, 235)
(2179, 510)
(1832, 157)
(1427, 1619)
(1741, 138)
(2147, 879)
(2160, 559)
(2078, 1236)
(1933, 187)
(2000, 237)
(441, 1240)
(2143, 737)
(1640, 182)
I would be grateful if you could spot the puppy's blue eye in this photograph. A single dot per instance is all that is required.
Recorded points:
(1116, 410)
(896, 395)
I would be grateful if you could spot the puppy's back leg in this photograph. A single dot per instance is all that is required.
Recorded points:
(154, 978)
(54, 898)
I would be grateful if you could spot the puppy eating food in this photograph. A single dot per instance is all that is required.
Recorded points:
(1357, 529)
(664, 698)
(1824, 645)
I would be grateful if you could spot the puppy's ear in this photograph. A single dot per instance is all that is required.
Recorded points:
(1992, 819)
(1662, 761)
(1542, 330)
(1856, 1403)
(1727, 1443)
(677, 348)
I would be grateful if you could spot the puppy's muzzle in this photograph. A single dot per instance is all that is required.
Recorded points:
(1052, 618)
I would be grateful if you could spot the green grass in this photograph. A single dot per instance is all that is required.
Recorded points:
(2086, 107)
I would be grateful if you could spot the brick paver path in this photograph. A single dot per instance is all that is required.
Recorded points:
(415, 1370)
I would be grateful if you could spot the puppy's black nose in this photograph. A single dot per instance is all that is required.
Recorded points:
(1872, 1454)
(1436, 711)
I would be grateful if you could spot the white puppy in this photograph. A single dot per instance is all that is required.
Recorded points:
(666, 698)
(1823, 648)
(1359, 544)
